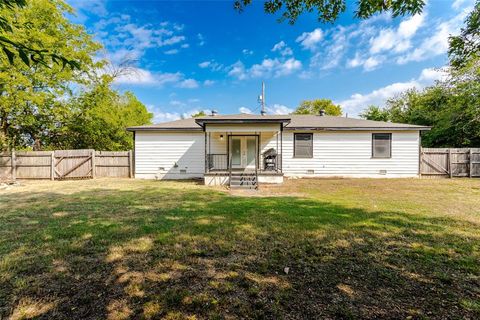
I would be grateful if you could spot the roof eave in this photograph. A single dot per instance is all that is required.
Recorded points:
(360, 128)
(162, 129)
(201, 122)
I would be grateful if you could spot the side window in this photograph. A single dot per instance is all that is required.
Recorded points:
(381, 145)
(303, 145)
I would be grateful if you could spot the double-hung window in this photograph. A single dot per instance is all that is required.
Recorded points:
(381, 145)
(303, 145)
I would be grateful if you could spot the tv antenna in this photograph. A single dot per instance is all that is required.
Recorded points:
(261, 100)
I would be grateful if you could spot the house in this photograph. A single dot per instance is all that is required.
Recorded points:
(244, 149)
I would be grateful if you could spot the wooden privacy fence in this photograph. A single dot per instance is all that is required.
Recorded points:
(65, 164)
(450, 162)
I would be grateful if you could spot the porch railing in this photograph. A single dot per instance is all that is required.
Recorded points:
(217, 161)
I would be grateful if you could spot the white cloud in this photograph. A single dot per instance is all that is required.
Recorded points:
(142, 77)
(358, 102)
(282, 48)
(245, 110)
(188, 84)
(247, 52)
(201, 39)
(177, 103)
(399, 39)
(368, 64)
(409, 27)
(431, 75)
(267, 68)
(208, 83)
(124, 38)
(139, 77)
(238, 71)
(333, 51)
(161, 116)
(457, 4)
(355, 62)
(164, 78)
(279, 109)
(172, 40)
(204, 64)
(372, 63)
(84, 8)
(309, 40)
(172, 51)
(211, 64)
(436, 44)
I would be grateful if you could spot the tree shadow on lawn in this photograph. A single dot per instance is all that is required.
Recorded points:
(176, 253)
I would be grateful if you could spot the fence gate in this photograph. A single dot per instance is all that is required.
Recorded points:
(73, 164)
(450, 162)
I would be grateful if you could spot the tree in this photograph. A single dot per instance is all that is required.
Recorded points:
(100, 116)
(199, 114)
(375, 113)
(28, 54)
(30, 95)
(329, 10)
(314, 107)
(451, 107)
(467, 44)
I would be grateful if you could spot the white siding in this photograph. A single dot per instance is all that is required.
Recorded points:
(349, 154)
(339, 153)
(157, 150)
(218, 144)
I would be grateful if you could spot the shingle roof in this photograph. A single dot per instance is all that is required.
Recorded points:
(313, 122)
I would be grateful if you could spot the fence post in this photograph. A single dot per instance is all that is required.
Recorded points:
(94, 168)
(420, 156)
(130, 164)
(450, 169)
(52, 166)
(13, 162)
(470, 156)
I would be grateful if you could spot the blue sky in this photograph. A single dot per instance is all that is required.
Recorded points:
(197, 55)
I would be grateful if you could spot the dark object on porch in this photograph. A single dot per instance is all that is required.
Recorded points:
(270, 159)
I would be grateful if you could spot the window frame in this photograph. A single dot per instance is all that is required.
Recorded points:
(295, 145)
(389, 134)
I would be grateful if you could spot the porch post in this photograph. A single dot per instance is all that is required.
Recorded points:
(206, 164)
(281, 147)
(228, 150)
(277, 162)
(259, 159)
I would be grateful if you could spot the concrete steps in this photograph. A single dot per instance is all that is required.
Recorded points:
(243, 180)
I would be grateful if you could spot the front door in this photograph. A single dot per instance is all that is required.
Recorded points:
(243, 151)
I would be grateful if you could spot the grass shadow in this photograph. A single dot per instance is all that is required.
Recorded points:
(179, 252)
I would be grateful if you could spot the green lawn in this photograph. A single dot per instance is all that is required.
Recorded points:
(122, 249)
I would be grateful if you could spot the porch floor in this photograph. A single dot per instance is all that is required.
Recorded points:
(227, 172)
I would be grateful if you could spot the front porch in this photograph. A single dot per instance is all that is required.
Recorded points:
(235, 154)
(217, 178)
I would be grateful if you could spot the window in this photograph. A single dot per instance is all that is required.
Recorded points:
(381, 145)
(303, 145)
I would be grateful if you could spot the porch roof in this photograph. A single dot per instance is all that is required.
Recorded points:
(243, 118)
(290, 122)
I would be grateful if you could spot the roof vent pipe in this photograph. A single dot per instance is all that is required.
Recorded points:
(214, 113)
(321, 113)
